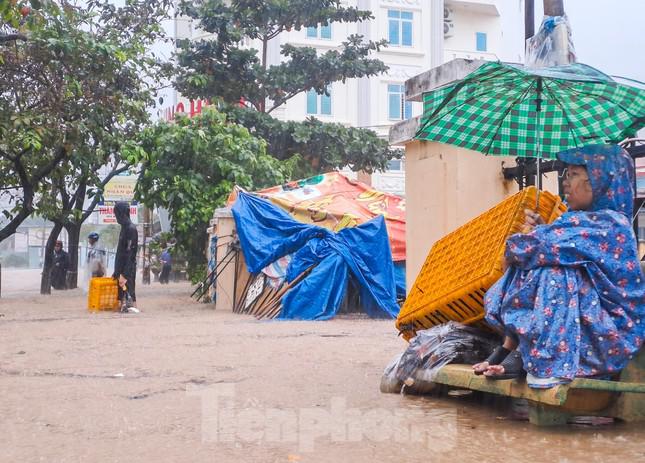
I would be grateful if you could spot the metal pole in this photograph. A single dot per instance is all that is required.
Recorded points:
(524, 178)
(554, 7)
(436, 32)
(529, 19)
(146, 256)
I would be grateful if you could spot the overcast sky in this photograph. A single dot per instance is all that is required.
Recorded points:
(607, 34)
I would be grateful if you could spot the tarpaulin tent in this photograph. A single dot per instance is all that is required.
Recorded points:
(297, 270)
(334, 201)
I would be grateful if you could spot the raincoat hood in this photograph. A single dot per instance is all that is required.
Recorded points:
(122, 212)
(611, 173)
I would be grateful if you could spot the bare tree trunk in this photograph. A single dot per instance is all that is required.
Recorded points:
(265, 44)
(73, 234)
(45, 279)
(554, 7)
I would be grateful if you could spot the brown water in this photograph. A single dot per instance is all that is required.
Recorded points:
(181, 382)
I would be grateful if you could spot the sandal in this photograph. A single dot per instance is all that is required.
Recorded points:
(498, 355)
(513, 367)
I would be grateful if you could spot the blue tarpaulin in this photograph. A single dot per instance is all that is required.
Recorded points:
(267, 233)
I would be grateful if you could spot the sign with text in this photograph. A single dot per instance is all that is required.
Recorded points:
(120, 188)
(105, 210)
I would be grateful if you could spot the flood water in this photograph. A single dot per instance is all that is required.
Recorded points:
(182, 382)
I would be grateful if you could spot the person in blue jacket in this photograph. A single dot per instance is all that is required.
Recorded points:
(166, 266)
(572, 301)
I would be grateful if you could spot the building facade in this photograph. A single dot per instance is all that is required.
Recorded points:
(476, 29)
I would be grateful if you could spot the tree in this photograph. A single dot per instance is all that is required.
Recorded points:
(65, 207)
(191, 167)
(34, 134)
(73, 94)
(220, 68)
(324, 146)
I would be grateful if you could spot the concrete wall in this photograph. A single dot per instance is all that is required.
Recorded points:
(447, 186)
(226, 280)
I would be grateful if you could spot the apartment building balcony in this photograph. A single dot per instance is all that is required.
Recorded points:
(486, 7)
(450, 53)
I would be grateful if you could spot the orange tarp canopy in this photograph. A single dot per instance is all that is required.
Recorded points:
(333, 201)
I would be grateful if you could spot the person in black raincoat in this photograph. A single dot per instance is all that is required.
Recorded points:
(60, 267)
(125, 263)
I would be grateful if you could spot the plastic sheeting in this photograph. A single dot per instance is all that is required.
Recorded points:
(431, 349)
(267, 233)
(552, 45)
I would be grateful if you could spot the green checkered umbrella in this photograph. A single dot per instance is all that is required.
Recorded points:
(502, 109)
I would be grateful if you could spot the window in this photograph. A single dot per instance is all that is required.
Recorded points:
(481, 41)
(398, 108)
(400, 28)
(319, 104)
(319, 32)
(395, 164)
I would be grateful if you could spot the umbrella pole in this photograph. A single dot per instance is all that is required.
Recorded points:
(539, 185)
(538, 182)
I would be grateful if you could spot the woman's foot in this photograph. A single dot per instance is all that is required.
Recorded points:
(494, 370)
(498, 355)
(510, 368)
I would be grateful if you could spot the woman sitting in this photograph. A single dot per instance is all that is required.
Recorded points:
(572, 301)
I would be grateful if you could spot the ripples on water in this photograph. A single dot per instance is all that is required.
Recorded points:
(484, 428)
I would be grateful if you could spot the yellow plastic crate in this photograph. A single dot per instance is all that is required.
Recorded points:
(103, 294)
(462, 265)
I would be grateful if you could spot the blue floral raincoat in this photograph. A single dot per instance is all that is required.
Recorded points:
(574, 293)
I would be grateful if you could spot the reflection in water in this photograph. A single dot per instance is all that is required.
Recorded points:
(480, 427)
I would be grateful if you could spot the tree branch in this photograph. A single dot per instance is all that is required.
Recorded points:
(47, 168)
(27, 205)
(95, 199)
(12, 37)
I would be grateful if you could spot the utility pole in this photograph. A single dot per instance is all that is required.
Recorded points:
(554, 7)
(436, 32)
(529, 19)
(147, 227)
(522, 176)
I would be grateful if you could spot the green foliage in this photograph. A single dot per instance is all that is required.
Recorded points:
(191, 167)
(74, 86)
(324, 146)
(221, 68)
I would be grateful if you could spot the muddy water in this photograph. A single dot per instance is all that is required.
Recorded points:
(477, 429)
(181, 382)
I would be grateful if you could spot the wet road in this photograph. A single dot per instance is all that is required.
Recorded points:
(182, 382)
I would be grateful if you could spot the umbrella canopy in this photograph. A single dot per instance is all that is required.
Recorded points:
(503, 109)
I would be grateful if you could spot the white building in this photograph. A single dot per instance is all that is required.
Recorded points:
(480, 29)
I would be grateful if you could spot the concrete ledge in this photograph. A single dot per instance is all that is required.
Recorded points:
(223, 212)
(415, 87)
(439, 76)
(403, 132)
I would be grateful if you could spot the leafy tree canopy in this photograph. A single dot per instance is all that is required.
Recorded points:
(222, 68)
(73, 81)
(324, 146)
(191, 167)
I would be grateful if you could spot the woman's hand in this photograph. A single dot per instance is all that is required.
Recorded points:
(505, 264)
(531, 220)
